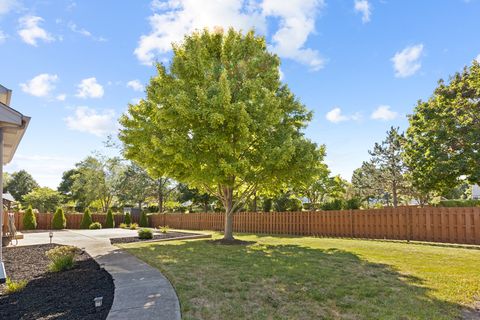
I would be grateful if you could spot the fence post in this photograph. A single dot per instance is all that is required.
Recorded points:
(352, 227)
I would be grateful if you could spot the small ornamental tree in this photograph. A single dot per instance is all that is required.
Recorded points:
(128, 219)
(59, 221)
(109, 222)
(86, 219)
(29, 220)
(219, 119)
(144, 220)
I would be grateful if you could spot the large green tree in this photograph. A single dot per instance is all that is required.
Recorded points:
(20, 183)
(44, 199)
(218, 118)
(443, 137)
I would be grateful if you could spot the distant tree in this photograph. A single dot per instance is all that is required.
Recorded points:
(44, 199)
(109, 222)
(194, 195)
(367, 182)
(6, 180)
(138, 185)
(99, 178)
(287, 201)
(220, 120)
(29, 219)
(86, 219)
(442, 139)
(387, 156)
(59, 221)
(20, 183)
(66, 185)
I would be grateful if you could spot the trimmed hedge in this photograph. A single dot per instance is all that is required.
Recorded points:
(144, 220)
(459, 203)
(59, 221)
(86, 219)
(29, 219)
(109, 222)
(128, 219)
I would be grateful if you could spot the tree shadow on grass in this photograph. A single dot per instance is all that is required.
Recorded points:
(289, 282)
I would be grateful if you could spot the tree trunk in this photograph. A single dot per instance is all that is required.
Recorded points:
(228, 203)
(394, 194)
(205, 206)
(254, 202)
(140, 205)
(160, 201)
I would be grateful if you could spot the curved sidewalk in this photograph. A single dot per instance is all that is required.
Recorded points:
(141, 291)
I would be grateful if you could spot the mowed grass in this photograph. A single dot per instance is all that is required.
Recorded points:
(279, 277)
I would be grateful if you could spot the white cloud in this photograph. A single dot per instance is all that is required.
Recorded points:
(89, 88)
(84, 32)
(335, 115)
(47, 170)
(406, 62)
(384, 113)
(89, 120)
(30, 30)
(3, 37)
(135, 85)
(363, 7)
(478, 58)
(296, 21)
(7, 5)
(41, 85)
(61, 97)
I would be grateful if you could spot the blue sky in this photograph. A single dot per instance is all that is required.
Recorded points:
(360, 65)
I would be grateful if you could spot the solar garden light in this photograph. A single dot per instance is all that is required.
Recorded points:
(50, 234)
(98, 302)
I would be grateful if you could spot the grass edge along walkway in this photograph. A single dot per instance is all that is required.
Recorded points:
(287, 277)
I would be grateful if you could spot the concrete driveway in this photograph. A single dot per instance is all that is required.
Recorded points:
(141, 291)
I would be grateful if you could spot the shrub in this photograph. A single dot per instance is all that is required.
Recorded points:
(59, 221)
(95, 225)
(109, 222)
(459, 203)
(336, 204)
(86, 219)
(63, 258)
(123, 225)
(145, 234)
(163, 229)
(14, 286)
(144, 220)
(353, 204)
(134, 226)
(29, 219)
(128, 219)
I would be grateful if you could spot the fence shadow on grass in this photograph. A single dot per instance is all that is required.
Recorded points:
(289, 282)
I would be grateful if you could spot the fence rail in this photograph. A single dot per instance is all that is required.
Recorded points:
(452, 225)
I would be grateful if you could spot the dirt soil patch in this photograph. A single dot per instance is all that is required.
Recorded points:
(61, 295)
(156, 236)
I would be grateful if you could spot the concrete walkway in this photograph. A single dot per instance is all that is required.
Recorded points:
(141, 291)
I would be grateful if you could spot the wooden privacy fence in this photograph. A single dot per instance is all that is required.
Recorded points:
(44, 220)
(452, 225)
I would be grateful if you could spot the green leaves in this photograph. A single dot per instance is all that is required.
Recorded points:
(218, 117)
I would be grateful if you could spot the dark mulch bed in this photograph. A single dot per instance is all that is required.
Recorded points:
(61, 295)
(156, 236)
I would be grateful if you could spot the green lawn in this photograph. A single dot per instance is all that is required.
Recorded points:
(316, 278)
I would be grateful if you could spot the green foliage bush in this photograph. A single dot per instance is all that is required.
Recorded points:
(123, 225)
(14, 286)
(86, 219)
(134, 226)
(109, 222)
(144, 220)
(128, 218)
(459, 203)
(29, 219)
(59, 221)
(336, 204)
(95, 225)
(164, 229)
(145, 234)
(353, 204)
(63, 258)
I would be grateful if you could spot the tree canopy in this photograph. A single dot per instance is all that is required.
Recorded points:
(20, 183)
(443, 137)
(219, 118)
